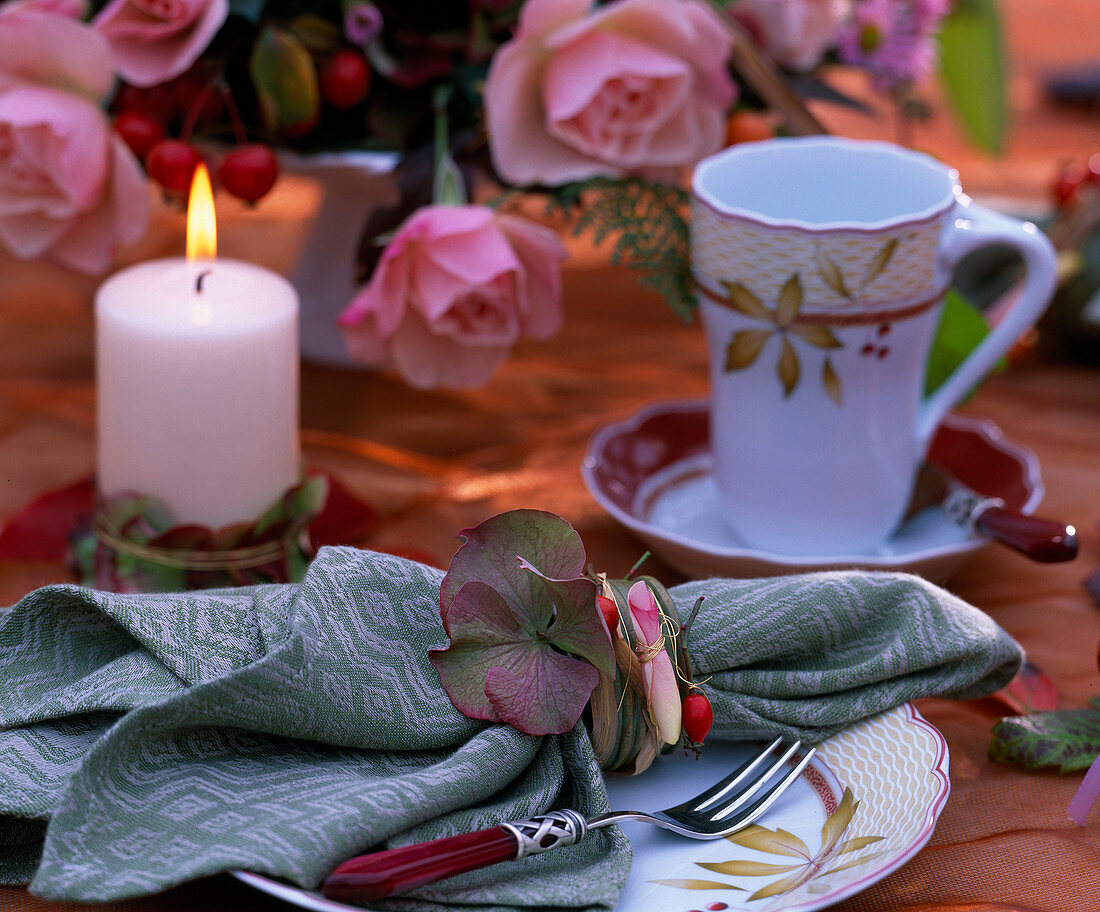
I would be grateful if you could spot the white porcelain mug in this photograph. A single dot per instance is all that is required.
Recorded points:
(821, 266)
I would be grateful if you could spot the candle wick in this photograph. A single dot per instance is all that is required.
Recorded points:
(198, 281)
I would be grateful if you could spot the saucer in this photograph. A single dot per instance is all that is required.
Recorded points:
(653, 473)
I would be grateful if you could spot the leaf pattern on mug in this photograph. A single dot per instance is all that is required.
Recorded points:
(745, 345)
(804, 865)
(831, 275)
(788, 368)
(880, 260)
(830, 382)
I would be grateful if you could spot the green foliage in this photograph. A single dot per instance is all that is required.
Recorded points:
(285, 79)
(247, 9)
(1068, 739)
(972, 66)
(142, 549)
(961, 329)
(648, 221)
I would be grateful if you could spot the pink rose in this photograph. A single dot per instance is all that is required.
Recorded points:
(156, 40)
(45, 48)
(72, 9)
(454, 290)
(794, 33)
(70, 189)
(634, 86)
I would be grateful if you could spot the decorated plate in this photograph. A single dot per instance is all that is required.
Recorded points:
(652, 473)
(865, 806)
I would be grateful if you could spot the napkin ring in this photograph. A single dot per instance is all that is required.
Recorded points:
(547, 831)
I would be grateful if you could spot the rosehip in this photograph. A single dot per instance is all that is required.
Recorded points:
(610, 612)
(155, 102)
(249, 171)
(1068, 183)
(1092, 169)
(139, 131)
(344, 79)
(171, 163)
(697, 716)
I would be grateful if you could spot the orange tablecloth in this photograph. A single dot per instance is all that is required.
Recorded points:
(434, 463)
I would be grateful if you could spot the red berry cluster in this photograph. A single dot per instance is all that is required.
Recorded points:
(1075, 180)
(157, 123)
(145, 117)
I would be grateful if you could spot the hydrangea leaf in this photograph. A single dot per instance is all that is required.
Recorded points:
(502, 667)
(490, 549)
(525, 646)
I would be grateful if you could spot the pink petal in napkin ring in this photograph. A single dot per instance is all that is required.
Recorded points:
(662, 692)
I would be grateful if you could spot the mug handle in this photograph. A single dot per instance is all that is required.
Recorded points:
(973, 226)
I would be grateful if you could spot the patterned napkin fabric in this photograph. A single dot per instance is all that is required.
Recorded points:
(146, 740)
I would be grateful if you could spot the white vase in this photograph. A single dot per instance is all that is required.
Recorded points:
(352, 183)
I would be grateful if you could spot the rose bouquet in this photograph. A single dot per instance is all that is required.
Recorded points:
(603, 106)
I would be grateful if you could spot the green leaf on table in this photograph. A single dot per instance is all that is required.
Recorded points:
(972, 67)
(527, 641)
(960, 330)
(1068, 739)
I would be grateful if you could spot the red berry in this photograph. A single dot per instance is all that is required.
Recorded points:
(610, 612)
(155, 102)
(249, 172)
(697, 716)
(139, 131)
(344, 79)
(1068, 183)
(171, 163)
(1092, 169)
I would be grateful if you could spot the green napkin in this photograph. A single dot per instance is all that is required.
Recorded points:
(146, 740)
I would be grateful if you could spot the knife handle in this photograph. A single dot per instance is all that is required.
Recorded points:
(1043, 540)
(377, 875)
(381, 874)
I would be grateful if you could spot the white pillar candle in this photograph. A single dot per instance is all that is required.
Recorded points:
(198, 387)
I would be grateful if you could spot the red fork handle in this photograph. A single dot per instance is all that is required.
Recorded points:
(381, 874)
(377, 875)
(1043, 540)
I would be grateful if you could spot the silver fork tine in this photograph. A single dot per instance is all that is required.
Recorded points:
(762, 804)
(761, 781)
(720, 789)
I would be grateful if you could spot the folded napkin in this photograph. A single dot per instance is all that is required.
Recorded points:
(146, 740)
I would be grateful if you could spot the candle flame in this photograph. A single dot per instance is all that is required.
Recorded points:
(202, 232)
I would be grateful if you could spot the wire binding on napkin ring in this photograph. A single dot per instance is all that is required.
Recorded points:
(184, 558)
(620, 721)
(547, 831)
(964, 508)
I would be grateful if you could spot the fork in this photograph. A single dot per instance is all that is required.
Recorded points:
(724, 808)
